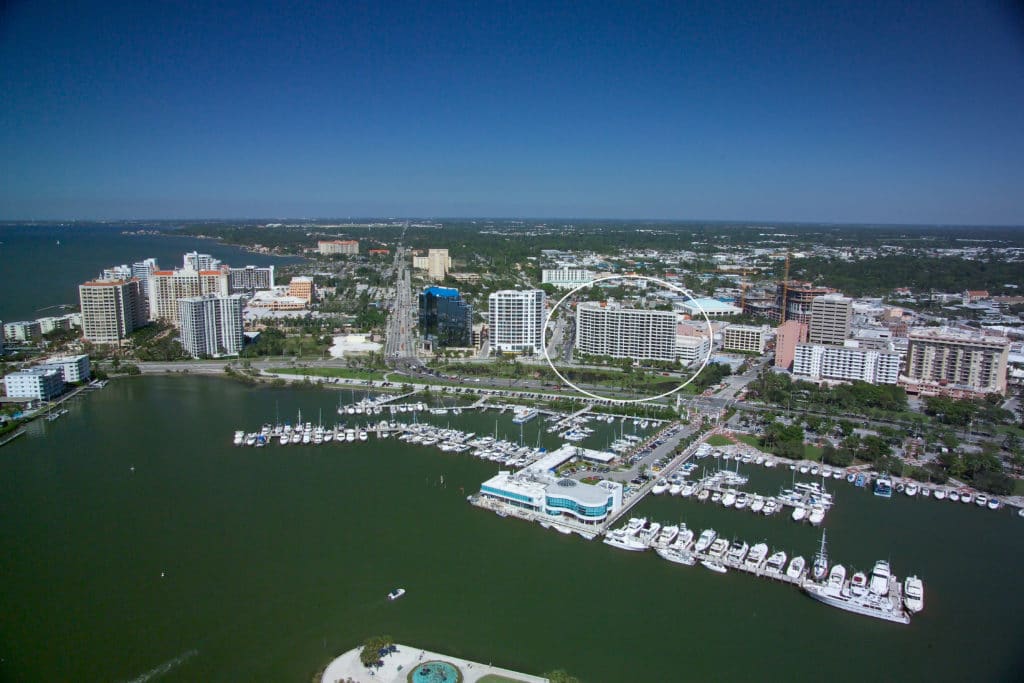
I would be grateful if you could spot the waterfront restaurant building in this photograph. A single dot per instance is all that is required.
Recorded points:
(547, 495)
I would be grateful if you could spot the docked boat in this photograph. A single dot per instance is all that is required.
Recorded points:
(817, 515)
(738, 552)
(796, 567)
(673, 554)
(742, 500)
(966, 497)
(981, 500)
(860, 480)
(666, 537)
(911, 489)
(871, 603)
(660, 487)
(913, 594)
(707, 537)
(883, 487)
(395, 594)
(239, 438)
(714, 566)
(820, 568)
(756, 556)
(799, 513)
(940, 494)
(688, 489)
(776, 562)
(757, 504)
(771, 506)
(953, 496)
(703, 495)
(524, 415)
(859, 583)
(718, 548)
(993, 504)
(728, 498)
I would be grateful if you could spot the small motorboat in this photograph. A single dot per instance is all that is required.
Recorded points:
(395, 594)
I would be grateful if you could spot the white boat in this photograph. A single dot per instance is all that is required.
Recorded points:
(868, 604)
(707, 537)
(714, 566)
(776, 562)
(728, 498)
(966, 497)
(239, 438)
(524, 415)
(738, 552)
(716, 497)
(660, 487)
(363, 435)
(993, 503)
(704, 493)
(757, 504)
(817, 515)
(981, 500)
(742, 500)
(666, 537)
(771, 506)
(953, 496)
(756, 556)
(859, 583)
(926, 492)
(820, 568)
(911, 489)
(673, 554)
(799, 513)
(796, 567)
(913, 594)
(940, 494)
(395, 594)
(837, 578)
(880, 576)
(675, 489)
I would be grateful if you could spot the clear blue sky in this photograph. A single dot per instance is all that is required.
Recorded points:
(811, 111)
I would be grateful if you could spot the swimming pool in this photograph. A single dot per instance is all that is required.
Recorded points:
(435, 672)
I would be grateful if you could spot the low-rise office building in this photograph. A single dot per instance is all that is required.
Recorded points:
(744, 338)
(40, 383)
(846, 363)
(72, 368)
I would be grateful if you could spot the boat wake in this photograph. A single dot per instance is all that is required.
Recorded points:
(164, 668)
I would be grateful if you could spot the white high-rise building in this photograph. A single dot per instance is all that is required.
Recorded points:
(28, 331)
(956, 362)
(639, 334)
(516, 320)
(211, 325)
(849, 363)
(193, 260)
(567, 278)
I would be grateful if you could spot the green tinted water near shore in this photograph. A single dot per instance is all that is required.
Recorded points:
(275, 559)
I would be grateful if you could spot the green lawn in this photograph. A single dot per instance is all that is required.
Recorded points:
(1018, 487)
(813, 452)
(750, 440)
(718, 440)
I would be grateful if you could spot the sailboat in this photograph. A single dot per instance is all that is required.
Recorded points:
(820, 567)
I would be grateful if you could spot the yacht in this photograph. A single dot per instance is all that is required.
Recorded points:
(911, 489)
(363, 435)
(940, 494)
(742, 500)
(837, 578)
(880, 576)
(981, 500)
(757, 504)
(771, 506)
(756, 556)
(714, 566)
(867, 603)
(953, 496)
(796, 567)
(660, 487)
(859, 584)
(239, 438)
(707, 537)
(966, 497)
(673, 554)
(728, 498)
(666, 537)
(704, 493)
(883, 487)
(817, 515)
(913, 594)
(395, 594)
(926, 492)
(776, 562)
(738, 551)
(524, 415)
(684, 539)
(799, 512)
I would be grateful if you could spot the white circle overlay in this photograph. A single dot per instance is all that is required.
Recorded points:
(666, 285)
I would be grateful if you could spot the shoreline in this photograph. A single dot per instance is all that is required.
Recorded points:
(399, 664)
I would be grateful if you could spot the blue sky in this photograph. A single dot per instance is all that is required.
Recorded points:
(809, 111)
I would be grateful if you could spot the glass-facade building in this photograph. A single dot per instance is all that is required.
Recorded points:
(444, 317)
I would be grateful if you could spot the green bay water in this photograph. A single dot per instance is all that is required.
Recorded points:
(215, 563)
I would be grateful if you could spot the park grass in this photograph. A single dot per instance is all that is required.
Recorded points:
(813, 452)
(750, 440)
(718, 440)
(1018, 487)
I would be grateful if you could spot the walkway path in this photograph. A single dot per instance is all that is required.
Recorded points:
(398, 665)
